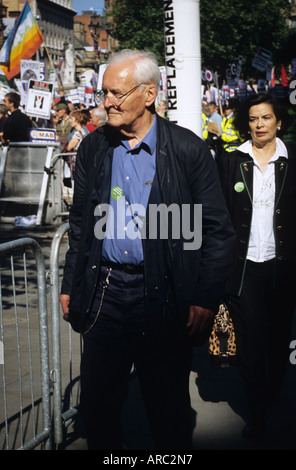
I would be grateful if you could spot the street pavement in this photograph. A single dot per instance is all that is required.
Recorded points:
(217, 398)
(218, 413)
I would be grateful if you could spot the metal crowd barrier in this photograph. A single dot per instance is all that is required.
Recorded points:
(31, 182)
(64, 413)
(25, 360)
(39, 390)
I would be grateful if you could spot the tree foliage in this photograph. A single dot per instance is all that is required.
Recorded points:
(229, 29)
(138, 25)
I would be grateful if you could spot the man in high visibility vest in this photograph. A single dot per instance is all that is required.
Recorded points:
(205, 115)
(230, 137)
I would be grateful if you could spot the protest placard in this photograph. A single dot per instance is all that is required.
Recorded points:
(30, 69)
(39, 99)
(262, 58)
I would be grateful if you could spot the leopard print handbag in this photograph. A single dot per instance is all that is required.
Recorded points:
(222, 343)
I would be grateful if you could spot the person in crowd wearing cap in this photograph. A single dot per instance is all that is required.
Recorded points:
(17, 125)
(63, 126)
(230, 137)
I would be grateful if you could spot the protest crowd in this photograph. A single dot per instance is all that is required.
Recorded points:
(73, 120)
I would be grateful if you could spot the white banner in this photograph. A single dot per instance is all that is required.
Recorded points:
(39, 99)
(30, 70)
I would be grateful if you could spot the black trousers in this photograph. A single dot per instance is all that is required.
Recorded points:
(116, 341)
(262, 317)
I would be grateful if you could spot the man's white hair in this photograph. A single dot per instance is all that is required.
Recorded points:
(146, 65)
(99, 113)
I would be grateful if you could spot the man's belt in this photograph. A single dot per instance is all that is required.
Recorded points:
(127, 268)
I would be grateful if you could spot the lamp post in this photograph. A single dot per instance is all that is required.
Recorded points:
(94, 23)
(96, 26)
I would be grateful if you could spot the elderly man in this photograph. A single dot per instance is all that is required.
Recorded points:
(98, 116)
(142, 286)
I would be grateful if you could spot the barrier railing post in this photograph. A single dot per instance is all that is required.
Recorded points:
(9, 248)
(43, 331)
(44, 186)
(56, 343)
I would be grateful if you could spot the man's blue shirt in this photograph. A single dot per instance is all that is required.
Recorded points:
(133, 172)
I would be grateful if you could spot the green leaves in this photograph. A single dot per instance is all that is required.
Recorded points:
(139, 25)
(238, 27)
(229, 29)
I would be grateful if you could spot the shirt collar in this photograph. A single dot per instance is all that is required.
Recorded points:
(280, 151)
(149, 141)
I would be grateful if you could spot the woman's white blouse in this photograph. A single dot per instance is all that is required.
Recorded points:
(262, 241)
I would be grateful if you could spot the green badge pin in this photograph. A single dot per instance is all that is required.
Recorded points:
(239, 187)
(117, 193)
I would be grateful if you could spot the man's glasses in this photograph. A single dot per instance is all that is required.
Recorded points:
(102, 95)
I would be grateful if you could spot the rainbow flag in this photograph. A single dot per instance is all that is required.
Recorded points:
(22, 43)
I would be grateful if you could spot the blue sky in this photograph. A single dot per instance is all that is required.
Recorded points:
(81, 5)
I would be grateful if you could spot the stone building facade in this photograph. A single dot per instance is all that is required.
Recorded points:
(60, 27)
(55, 21)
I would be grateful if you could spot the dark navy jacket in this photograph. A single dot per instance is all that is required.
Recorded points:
(238, 167)
(185, 175)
